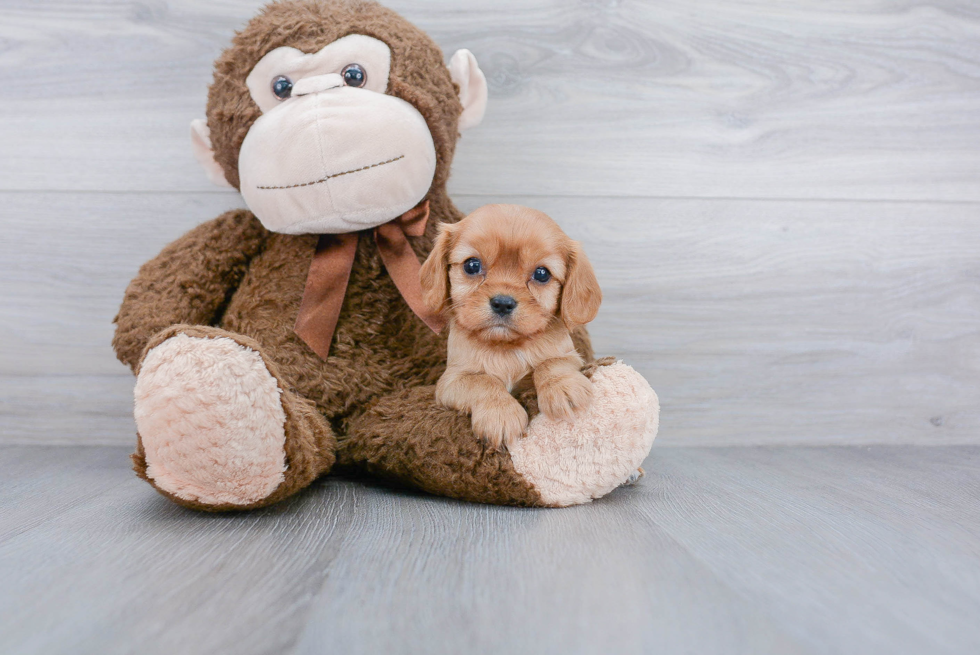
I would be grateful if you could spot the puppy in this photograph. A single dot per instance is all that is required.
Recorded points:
(514, 285)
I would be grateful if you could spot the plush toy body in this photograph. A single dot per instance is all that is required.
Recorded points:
(337, 121)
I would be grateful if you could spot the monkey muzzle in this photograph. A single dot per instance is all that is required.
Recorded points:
(333, 159)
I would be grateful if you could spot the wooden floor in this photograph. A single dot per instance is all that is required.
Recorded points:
(717, 550)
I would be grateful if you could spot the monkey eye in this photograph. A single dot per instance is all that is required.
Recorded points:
(354, 75)
(541, 274)
(472, 266)
(282, 87)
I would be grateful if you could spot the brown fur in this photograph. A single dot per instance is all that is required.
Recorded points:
(232, 277)
(489, 354)
(401, 431)
(408, 438)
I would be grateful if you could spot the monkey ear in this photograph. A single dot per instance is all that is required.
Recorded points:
(581, 295)
(472, 84)
(434, 276)
(201, 142)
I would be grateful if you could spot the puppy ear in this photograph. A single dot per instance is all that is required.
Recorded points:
(434, 276)
(581, 295)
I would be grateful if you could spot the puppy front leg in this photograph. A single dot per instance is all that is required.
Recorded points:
(562, 389)
(497, 416)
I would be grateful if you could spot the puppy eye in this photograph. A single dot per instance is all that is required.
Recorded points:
(282, 87)
(472, 266)
(541, 274)
(354, 75)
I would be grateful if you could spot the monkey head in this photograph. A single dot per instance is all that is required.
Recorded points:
(334, 116)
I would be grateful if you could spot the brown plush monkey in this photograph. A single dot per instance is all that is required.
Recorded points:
(272, 344)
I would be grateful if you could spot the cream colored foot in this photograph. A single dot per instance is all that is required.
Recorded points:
(572, 463)
(211, 422)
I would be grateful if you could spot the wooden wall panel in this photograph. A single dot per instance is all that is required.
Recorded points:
(756, 321)
(664, 98)
(782, 202)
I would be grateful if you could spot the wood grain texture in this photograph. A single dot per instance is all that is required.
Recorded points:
(717, 550)
(756, 321)
(880, 542)
(40, 484)
(440, 577)
(871, 99)
(94, 561)
(68, 409)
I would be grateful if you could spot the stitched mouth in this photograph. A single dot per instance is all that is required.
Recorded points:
(330, 177)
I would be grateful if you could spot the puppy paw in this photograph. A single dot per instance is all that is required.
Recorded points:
(500, 422)
(560, 398)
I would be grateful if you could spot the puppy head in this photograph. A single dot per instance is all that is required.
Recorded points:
(508, 272)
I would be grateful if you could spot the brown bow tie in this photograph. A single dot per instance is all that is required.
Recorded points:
(326, 282)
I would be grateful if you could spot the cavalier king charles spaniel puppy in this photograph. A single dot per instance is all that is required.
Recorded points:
(513, 285)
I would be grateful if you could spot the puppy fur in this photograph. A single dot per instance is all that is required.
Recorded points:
(493, 354)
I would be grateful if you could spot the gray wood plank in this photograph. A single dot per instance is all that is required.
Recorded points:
(443, 577)
(68, 409)
(729, 550)
(756, 321)
(732, 99)
(122, 570)
(63, 477)
(816, 550)
(65, 262)
(851, 550)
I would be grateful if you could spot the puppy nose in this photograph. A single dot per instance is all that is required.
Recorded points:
(502, 305)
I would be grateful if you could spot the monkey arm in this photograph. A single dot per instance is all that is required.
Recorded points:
(583, 343)
(190, 281)
(411, 438)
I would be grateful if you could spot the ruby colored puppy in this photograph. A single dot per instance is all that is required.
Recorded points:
(514, 285)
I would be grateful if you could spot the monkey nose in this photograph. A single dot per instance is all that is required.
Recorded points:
(317, 83)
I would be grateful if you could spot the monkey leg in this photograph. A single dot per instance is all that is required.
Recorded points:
(217, 429)
(408, 438)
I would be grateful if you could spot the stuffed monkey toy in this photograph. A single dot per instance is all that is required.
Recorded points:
(274, 344)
